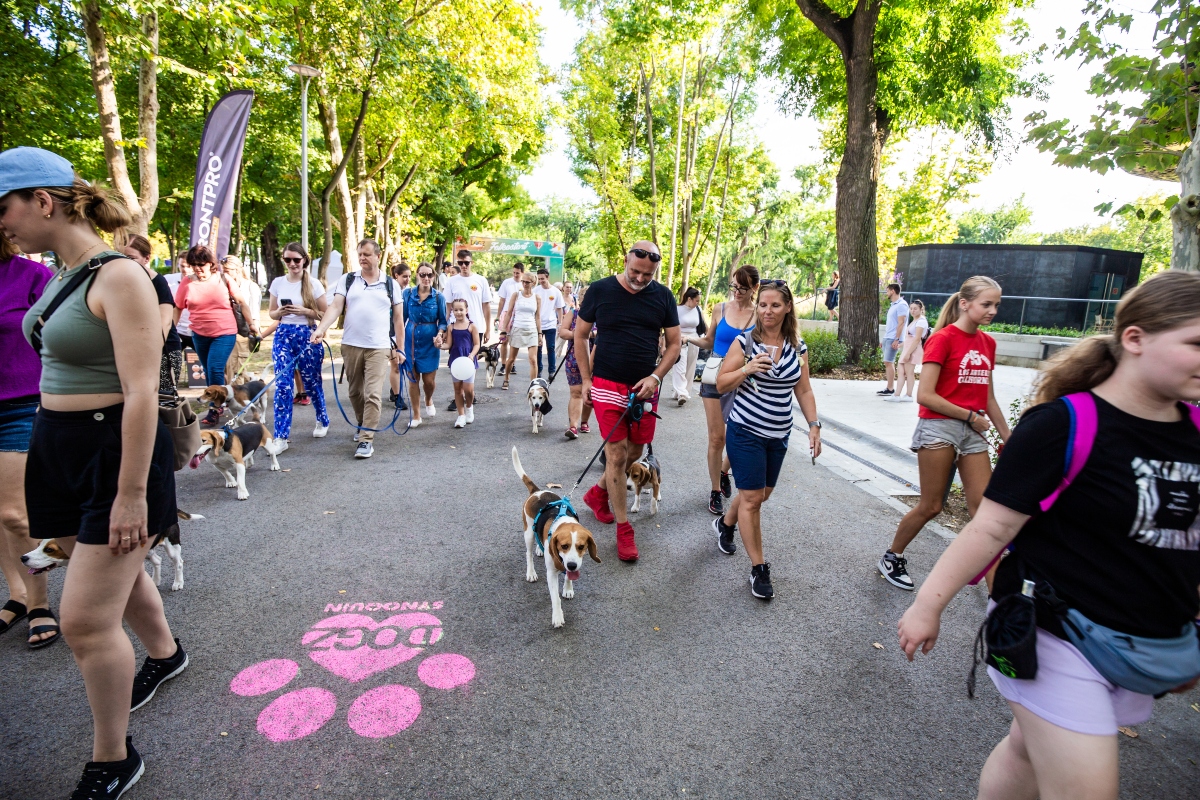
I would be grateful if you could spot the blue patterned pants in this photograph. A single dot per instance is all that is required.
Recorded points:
(290, 340)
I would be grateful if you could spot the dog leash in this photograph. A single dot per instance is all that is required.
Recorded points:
(290, 368)
(635, 409)
(405, 371)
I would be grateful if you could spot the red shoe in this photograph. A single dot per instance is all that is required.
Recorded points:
(304, 400)
(597, 500)
(626, 546)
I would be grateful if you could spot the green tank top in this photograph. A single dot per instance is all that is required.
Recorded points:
(77, 347)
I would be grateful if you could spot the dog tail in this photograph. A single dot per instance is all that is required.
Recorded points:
(179, 512)
(529, 484)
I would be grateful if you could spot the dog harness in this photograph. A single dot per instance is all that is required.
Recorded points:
(546, 516)
(544, 406)
(249, 435)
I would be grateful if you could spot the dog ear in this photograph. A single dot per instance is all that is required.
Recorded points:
(591, 545)
(552, 549)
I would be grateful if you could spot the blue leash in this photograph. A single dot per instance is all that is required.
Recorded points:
(405, 373)
(290, 369)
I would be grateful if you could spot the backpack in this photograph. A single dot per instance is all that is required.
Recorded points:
(350, 278)
(1080, 438)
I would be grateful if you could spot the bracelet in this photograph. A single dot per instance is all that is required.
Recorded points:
(970, 417)
(652, 375)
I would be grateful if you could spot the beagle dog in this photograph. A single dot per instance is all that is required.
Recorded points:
(643, 474)
(491, 355)
(559, 536)
(539, 401)
(237, 398)
(231, 451)
(48, 555)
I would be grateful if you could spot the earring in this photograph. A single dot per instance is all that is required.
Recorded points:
(47, 216)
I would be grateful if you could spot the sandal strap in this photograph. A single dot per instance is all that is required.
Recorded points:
(16, 608)
(37, 630)
(37, 613)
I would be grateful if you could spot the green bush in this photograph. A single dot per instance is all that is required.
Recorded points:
(825, 352)
(1029, 330)
(871, 359)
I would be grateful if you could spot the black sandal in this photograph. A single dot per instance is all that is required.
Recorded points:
(35, 630)
(13, 607)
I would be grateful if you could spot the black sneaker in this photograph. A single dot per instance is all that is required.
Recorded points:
(110, 779)
(895, 569)
(760, 582)
(726, 488)
(725, 542)
(714, 503)
(885, 392)
(154, 673)
(453, 406)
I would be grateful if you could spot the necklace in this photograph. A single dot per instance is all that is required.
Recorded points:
(62, 273)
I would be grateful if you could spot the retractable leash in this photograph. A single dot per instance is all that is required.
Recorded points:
(561, 361)
(405, 370)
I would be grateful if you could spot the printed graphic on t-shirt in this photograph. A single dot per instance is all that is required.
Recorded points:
(974, 368)
(1168, 502)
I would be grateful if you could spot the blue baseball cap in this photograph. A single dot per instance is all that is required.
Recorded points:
(33, 168)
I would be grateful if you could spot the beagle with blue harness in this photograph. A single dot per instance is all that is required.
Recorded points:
(553, 531)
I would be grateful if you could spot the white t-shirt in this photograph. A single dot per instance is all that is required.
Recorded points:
(509, 286)
(283, 289)
(475, 291)
(689, 320)
(367, 312)
(918, 327)
(551, 299)
(184, 327)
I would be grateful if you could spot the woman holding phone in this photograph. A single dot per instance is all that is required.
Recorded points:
(297, 302)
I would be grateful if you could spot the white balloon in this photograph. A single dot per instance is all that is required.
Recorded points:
(462, 368)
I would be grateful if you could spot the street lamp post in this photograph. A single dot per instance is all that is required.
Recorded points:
(306, 73)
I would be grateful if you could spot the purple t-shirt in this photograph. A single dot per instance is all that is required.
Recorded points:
(21, 284)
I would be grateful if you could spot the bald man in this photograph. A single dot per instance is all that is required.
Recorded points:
(629, 312)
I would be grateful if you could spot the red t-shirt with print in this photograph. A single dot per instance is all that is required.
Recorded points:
(966, 360)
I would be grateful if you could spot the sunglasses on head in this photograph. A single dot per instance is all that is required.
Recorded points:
(287, 260)
(640, 253)
(779, 283)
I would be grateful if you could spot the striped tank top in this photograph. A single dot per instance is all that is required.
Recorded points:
(767, 411)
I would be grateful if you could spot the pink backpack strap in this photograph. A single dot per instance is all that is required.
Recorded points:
(1079, 444)
(1194, 413)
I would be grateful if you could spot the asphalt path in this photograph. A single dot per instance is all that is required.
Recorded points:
(669, 679)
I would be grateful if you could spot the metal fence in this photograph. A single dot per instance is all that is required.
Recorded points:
(1102, 304)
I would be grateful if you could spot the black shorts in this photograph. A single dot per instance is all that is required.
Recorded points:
(71, 475)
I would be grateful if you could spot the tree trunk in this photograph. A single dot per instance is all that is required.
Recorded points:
(687, 261)
(1185, 215)
(338, 179)
(148, 119)
(360, 200)
(270, 252)
(675, 181)
(327, 111)
(858, 174)
(110, 120)
(390, 209)
(720, 223)
(647, 82)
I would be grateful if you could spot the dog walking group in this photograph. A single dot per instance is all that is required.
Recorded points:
(1095, 499)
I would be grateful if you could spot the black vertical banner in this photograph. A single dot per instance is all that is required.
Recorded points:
(217, 170)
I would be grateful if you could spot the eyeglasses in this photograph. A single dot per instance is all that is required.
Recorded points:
(287, 260)
(640, 253)
(738, 288)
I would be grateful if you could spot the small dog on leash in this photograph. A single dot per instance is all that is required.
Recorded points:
(643, 474)
(239, 397)
(539, 401)
(491, 355)
(559, 536)
(231, 451)
(48, 555)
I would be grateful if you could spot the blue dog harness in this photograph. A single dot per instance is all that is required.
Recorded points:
(547, 516)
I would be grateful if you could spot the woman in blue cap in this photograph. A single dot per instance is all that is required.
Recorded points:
(100, 472)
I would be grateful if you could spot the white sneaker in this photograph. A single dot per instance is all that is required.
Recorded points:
(908, 398)
(461, 422)
(892, 398)
(415, 422)
(470, 414)
(280, 445)
(357, 434)
(431, 411)
(320, 431)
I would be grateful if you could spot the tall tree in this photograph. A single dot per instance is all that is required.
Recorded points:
(884, 69)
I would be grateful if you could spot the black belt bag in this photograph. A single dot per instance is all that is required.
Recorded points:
(1007, 639)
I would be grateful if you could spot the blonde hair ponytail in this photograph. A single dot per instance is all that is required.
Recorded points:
(1166, 301)
(87, 202)
(972, 287)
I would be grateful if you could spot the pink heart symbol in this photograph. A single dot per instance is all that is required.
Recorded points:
(345, 655)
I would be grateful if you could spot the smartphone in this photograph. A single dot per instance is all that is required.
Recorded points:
(284, 302)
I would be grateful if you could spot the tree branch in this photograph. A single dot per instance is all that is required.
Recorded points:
(828, 22)
(383, 162)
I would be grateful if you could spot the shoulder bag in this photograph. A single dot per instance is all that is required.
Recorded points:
(243, 327)
(713, 365)
(176, 413)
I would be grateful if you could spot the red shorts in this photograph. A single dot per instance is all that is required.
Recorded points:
(609, 400)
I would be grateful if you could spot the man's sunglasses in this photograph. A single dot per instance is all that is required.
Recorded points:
(464, 263)
(640, 253)
(287, 260)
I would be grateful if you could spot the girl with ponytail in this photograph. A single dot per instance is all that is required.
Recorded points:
(958, 407)
(297, 302)
(1119, 544)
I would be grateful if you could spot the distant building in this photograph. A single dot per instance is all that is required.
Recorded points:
(933, 271)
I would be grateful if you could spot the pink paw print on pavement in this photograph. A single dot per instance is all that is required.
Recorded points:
(354, 647)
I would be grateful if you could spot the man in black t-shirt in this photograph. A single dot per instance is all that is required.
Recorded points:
(629, 311)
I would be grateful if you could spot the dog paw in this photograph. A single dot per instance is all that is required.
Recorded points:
(558, 620)
(230, 484)
(177, 585)
(568, 591)
(531, 576)
(275, 468)
(243, 495)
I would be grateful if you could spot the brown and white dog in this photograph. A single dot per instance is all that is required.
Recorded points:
(48, 555)
(539, 401)
(563, 541)
(236, 398)
(231, 452)
(641, 475)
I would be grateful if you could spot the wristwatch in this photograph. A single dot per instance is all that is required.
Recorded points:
(816, 423)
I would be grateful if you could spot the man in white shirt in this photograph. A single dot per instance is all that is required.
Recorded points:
(552, 311)
(506, 289)
(372, 337)
(893, 335)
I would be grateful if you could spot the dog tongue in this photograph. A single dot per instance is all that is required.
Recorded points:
(195, 462)
(573, 575)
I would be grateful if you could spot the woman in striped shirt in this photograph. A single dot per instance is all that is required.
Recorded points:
(765, 369)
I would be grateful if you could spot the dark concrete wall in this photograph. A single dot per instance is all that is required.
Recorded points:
(1023, 270)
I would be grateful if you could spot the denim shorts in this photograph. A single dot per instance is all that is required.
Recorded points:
(890, 348)
(709, 391)
(934, 433)
(16, 423)
(755, 461)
